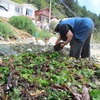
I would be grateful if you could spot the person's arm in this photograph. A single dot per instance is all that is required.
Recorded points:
(69, 38)
(58, 39)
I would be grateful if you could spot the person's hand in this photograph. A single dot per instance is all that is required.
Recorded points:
(62, 44)
(59, 46)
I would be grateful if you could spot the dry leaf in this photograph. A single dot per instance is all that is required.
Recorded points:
(37, 93)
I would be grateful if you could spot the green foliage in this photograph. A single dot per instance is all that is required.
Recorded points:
(19, 1)
(44, 34)
(87, 73)
(42, 82)
(23, 23)
(3, 77)
(95, 94)
(6, 31)
(53, 96)
(15, 94)
(56, 13)
(58, 95)
(46, 71)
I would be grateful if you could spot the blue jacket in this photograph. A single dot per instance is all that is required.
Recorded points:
(80, 26)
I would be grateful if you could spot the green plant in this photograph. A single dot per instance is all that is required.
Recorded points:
(95, 94)
(42, 82)
(6, 31)
(4, 72)
(87, 73)
(44, 34)
(19, 1)
(15, 94)
(53, 73)
(23, 23)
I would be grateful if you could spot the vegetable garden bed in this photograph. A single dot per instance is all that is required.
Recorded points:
(48, 76)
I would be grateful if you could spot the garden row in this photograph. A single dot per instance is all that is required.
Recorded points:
(48, 75)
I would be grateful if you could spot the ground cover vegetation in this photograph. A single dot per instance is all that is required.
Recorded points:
(23, 23)
(6, 30)
(48, 76)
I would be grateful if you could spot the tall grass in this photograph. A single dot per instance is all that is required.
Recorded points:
(6, 31)
(44, 34)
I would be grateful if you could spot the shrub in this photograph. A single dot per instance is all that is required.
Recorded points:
(45, 34)
(23, 23)
(6, 31)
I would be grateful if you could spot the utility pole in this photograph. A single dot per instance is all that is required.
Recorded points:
(50, 10)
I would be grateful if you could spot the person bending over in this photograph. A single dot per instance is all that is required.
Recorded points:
(76, 31)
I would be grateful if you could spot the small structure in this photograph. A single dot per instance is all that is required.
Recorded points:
(42, 17)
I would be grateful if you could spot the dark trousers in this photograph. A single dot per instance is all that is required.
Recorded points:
(80, 49)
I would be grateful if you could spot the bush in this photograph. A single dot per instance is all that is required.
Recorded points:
(23, 23)
(45, 34)
(6, 31)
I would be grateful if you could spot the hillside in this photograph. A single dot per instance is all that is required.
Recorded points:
(21, 35)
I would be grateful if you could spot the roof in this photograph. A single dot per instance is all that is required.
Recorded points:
(29, 5)
(44, 12)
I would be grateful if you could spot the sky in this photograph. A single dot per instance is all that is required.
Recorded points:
(92, 5)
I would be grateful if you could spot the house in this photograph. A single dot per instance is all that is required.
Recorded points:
(9, 8)
(42, 16)
(28, 10)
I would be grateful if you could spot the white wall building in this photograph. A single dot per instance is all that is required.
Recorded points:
(9, 8)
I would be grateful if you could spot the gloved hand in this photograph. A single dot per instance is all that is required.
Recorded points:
(58, 46)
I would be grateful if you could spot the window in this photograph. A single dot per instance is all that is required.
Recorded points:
(17, 9)
(42, 19)
(29, 12)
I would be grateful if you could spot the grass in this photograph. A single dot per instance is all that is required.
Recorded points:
(6, 31)
(44, 34)
(96, 36)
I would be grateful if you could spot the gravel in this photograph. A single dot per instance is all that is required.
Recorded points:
(95, 52)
